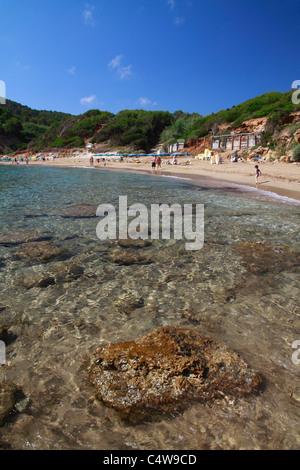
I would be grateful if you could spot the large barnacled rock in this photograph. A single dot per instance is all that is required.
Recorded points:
(166, 370)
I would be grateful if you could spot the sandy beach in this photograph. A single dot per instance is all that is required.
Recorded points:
(277, 177)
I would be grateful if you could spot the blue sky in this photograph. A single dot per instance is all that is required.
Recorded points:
(194, 55)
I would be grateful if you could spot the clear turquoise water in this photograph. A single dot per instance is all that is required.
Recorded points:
(253, 308)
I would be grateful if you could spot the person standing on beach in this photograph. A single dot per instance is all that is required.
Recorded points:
(158, 162)
(91, 161)
(257, 174)
(153, 164)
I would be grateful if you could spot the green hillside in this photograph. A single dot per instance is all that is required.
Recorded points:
(22, 127)
(138, 129)
(72, 132)
(19, 125)
(275, 105)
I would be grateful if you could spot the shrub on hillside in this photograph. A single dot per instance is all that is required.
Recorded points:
(296, 154)
(267, 140)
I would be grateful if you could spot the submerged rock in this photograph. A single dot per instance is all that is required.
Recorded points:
(32, 279)
(66, 272)
(59, 272)
(261, 257)
(135, 244)
(128, 256)
(8, 398)
(129, 301)
(7, 334)
(34, 216)
(12, 237)
(81, 211)
(166, 370)
(42, 251)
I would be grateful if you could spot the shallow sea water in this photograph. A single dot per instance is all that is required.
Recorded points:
(248, 302)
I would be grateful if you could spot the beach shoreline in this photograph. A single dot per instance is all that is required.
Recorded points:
(282, 179)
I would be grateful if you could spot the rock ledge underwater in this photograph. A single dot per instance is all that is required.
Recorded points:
(167, 370)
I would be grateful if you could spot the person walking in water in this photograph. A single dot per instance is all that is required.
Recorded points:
(257, 174)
